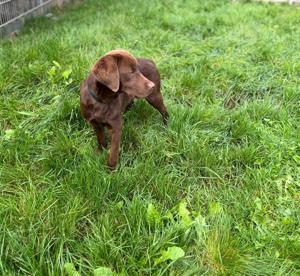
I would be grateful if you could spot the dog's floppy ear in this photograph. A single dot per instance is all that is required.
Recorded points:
(106, 71)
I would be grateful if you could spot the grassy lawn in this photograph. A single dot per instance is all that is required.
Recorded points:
(220, 184)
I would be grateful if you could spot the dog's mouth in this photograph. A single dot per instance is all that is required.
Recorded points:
(144, 95)
(137, 94)
(149, 89)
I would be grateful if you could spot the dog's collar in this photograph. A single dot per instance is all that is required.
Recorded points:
(93, 94)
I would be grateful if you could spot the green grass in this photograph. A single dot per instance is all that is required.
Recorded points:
(222, 181)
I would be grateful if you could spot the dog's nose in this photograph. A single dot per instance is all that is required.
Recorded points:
(150, 85)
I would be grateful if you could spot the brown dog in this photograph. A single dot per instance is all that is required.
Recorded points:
(116, 79)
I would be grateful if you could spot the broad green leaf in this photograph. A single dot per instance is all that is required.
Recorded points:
(9, 133)
(184, 214)
(172, 253)
(169, 216)
(52, 71)
(70, 80)
(103, 271)
(152, 214)
(56, 63)
(66, 73)
(71, 270)
(258, 203)
(120, 205)
(200, 225)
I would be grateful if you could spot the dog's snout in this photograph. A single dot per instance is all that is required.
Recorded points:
(150, 84)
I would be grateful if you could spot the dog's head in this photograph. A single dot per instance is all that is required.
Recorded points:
(118, 70)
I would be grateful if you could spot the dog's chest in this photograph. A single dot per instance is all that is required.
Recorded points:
(106, 112)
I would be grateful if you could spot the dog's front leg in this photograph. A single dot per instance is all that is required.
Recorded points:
(115, 131)
(99, 131)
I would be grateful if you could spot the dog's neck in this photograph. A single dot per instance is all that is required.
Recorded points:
(100, 92)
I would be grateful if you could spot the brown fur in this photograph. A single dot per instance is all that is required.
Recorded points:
(116, 79)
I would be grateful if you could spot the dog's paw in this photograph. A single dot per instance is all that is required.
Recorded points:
(165, 118)
(112, 166)
(99, 150)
